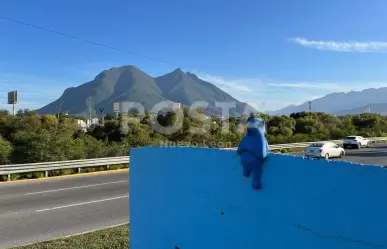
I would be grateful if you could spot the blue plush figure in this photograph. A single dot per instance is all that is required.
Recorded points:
(253, 150)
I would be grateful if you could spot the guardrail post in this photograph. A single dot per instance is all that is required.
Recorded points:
(9, 177)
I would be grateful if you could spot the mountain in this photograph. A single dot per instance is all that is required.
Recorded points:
(337, 102)
(380, 108)
(128, 83)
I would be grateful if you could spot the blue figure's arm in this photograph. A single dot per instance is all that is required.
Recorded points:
(264, 146)
(241, 147)
(261, 146)
(267, 147)
(241, 150)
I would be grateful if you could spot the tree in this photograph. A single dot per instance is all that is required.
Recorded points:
(4, 113)
(49, 122)
(92, 147)
(110, 117)
(31, 147)
(8, 126)
(146, 119)
(117, 149)
(281, 125)
(67, 125)
(30, 137)
(139, 135)
(29, 123)
(5, 150)
(347, 126)
(298, 115)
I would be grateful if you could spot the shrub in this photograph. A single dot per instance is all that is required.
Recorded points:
(30, 175)
(5, 150)
(62, 172)
(93, 169)
(118, 166)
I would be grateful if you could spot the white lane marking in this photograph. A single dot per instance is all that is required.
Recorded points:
(83, 203)
(85, 186)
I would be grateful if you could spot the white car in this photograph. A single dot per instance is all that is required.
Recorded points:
(324, 150)
(356, 141)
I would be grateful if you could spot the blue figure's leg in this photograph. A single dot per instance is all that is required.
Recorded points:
(246, 170)
(257, 172)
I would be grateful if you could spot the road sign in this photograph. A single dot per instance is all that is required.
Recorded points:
(116, 107)
(12, 97)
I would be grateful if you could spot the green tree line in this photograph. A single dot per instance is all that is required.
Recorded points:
(29, 137)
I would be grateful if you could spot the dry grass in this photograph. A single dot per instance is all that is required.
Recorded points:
(111, 238)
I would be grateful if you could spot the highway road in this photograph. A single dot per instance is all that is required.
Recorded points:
(39, 210)
(375, 155)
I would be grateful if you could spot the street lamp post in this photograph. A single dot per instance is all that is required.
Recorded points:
(102, 116)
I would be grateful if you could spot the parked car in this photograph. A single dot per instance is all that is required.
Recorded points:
(324, 150)
(356, 141)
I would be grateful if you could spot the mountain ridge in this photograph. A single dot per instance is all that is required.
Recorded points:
(128, 83)
(340, 102)
(380, 108)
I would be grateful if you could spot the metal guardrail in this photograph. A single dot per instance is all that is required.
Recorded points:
(10, 169)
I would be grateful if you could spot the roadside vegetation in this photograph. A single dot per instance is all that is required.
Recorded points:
(111, 238)
(29, 137)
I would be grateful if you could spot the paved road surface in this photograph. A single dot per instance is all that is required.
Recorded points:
(46, 209)
(375, 155)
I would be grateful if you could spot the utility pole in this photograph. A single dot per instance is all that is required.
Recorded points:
(60, 108)
(310, 106)
(102, 116)
(90, 110)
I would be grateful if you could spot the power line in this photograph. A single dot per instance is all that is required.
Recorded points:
(84, 40)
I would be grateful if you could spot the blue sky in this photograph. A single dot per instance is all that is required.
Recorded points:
(270, 53)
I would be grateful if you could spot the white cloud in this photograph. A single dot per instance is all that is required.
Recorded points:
(231, 84)
(261, 94)
(343, 46)
(303, 85)
(269, 95)
(329, 86)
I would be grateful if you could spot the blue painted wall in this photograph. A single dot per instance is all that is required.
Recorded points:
(196, 198)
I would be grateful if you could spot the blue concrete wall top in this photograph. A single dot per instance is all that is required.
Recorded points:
(197, 198)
